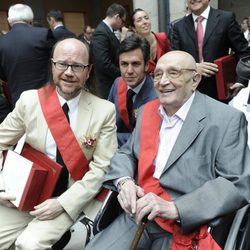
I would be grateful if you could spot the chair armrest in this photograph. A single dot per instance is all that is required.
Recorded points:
(110, 210)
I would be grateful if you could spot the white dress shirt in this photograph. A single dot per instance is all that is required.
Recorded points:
(247, 36)
(50, 147)
(204, 14)
(169, 131)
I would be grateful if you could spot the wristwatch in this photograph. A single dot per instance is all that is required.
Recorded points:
(121, 182)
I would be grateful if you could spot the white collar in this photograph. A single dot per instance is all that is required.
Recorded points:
(58, 25)
(108, 25)
(72, 103)
(204, 14)
(181, 112)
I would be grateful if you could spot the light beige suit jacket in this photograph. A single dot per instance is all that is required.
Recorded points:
(96, 118)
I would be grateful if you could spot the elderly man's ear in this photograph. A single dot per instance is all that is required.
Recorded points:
(196, 80)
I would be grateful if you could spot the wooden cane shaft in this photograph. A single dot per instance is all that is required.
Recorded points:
(137, 237)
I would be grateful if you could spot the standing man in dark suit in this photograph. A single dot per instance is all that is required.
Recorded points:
(133, 60)
(55, 19)
(104, 49)
(220, 32)
(24, 52)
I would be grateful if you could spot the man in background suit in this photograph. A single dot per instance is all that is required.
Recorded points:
(245, 27)
(86, 35)
(55, 19)
(4, 107)
(104, 49)
(221, 32)
(91, 133)
(186, 164)
(24, 52)
(133, 60)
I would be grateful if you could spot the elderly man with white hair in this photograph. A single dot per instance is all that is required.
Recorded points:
(24, 52)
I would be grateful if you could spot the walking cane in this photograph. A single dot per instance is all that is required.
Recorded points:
(138, 233)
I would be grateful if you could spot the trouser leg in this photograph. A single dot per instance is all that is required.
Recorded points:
(39, 235)
(120, 234)
(12, 224)
(117, 235)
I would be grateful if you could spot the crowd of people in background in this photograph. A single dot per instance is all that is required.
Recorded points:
(139, 113)
(138, 23)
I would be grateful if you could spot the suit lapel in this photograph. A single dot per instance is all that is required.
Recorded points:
(144, 93)
(212, 22)
(189, 131)
(84, 117)
(111, 35)
(189, 28)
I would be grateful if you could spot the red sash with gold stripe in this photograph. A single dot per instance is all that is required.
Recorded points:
(149, 140)
(122, 103)
(71, 152)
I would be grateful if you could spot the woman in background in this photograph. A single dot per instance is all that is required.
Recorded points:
(159, 43)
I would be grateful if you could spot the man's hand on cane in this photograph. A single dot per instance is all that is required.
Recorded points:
(155, 206)
(128, 194)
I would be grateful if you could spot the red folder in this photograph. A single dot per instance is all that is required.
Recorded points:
(225, 76)
(42, 178)
(33, 188)
(53, 170)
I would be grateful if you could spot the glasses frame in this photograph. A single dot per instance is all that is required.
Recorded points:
(55, 63)
(123, 19)
(177, 76)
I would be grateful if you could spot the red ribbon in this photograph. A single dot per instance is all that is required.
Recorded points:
(122, 102)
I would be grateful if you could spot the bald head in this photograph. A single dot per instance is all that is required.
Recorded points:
(181, 58)
(72, 45)
(175, 80)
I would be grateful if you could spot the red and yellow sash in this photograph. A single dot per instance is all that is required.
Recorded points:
(149, 140)
(122, 103)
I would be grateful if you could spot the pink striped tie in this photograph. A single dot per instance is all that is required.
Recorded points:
(199, 33)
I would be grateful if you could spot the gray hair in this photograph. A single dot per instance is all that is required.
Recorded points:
(20, 13)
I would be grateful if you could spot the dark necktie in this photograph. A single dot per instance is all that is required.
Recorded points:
(62, 182)
(199, 33)
(130, 94)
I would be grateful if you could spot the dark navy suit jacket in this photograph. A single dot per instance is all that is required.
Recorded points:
(24, 58)
(61, 33)
(104, 54)
(146, 93)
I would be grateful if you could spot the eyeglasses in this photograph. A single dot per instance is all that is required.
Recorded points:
(171, 73)
(123, 20)
(77, 67)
